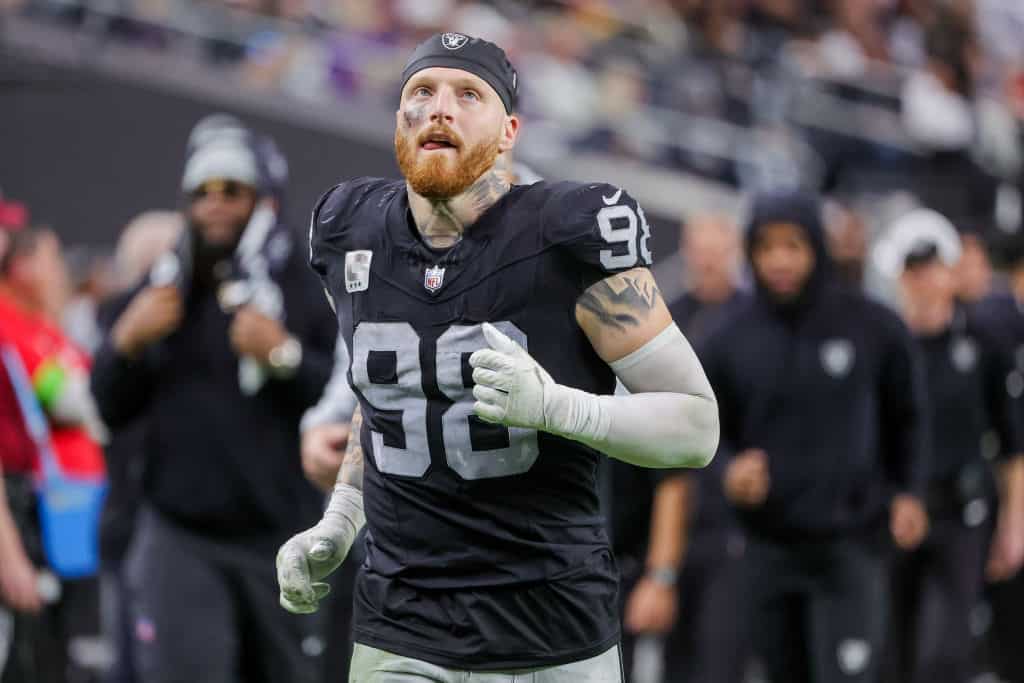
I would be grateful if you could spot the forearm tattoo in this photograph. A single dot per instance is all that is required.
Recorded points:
(621, 301)
(352, 465)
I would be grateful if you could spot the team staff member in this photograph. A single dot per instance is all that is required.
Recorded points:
(1004, 313)
(33, 287)
(822, 403)
(690, 574)
(222, 483)
(708, 643)
(967, 371)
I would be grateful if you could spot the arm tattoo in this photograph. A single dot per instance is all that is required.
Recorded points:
(621, 301)
(352, 465)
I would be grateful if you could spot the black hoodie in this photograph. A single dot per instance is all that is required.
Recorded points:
(829, 385)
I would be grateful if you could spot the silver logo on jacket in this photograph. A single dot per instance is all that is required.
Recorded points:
(837, 357)
(964, 354)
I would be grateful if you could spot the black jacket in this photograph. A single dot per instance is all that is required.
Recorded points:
(218, 461)
(830, 386)
(971, 390)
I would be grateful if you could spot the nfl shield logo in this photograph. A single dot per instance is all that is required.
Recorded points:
(453, 41)
(433, 278)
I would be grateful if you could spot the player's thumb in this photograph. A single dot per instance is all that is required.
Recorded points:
(498, 340)
(323, 549)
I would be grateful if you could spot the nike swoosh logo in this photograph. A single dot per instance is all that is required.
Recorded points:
(614, 199)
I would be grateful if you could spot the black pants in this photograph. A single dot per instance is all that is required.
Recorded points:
(117, 624)
(206, 611)
(708, 643)
(1005, 647)
(339, 609)
(817, 609)
(934, 590)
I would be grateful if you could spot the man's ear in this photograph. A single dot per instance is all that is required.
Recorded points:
(509, 133)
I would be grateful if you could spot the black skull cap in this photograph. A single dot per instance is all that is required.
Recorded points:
(475, 55)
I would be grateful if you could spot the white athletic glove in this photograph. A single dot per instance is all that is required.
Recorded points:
(310, 556)
(671, 419)
(514, 390)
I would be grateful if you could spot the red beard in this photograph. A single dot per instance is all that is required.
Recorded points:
(438, 177)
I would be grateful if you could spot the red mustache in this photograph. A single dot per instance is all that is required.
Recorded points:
(439, 133)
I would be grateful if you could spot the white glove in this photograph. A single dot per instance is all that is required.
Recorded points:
(672, 422)
(310, 556)
(514, 390)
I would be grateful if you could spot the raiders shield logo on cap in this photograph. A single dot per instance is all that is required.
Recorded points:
(837, 357)
(433, 278)
(453, 41)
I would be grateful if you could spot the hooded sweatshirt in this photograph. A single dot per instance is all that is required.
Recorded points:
(829, 384)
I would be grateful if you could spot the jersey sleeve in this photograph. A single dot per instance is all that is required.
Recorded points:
(332, 230)
(600, 226)
(326, 229)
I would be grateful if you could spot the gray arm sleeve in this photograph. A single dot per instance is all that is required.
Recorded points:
(338, 401)
(670, 419)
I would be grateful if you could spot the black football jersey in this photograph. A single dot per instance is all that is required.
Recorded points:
(485, 546)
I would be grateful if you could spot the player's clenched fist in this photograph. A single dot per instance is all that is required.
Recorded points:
(510, 385)
(908, 521)
(307, 558)
(301, 564)
(746, 478)
(153, 314)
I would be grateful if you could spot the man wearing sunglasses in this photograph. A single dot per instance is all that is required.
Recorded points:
(221, 350)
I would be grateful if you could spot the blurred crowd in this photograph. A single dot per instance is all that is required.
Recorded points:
(743, 91)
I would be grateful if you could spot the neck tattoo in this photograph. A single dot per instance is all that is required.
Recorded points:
(442, 222)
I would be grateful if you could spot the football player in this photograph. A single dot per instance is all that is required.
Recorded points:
(486, 324)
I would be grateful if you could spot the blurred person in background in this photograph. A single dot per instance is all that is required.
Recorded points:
(938, 584)
(91, 282)
(973, 273)
(952, 128)
(33, 289)
(847, 242)
(688, 583)
(146, 238)
(18, 582)
(1004, 314)
(221, 349)
(709, 642)
(824, 429)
